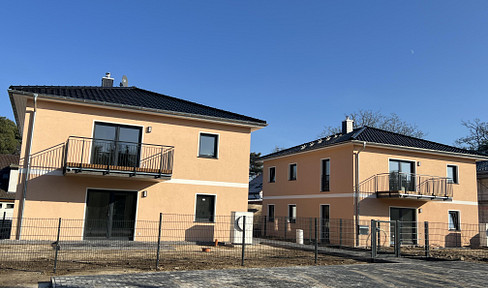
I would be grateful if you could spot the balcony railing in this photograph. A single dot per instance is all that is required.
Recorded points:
(118, 157)
(408, 185)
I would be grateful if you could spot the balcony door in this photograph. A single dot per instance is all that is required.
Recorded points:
(324, 224)
(110, 215)
(402, 175)
(116, 145)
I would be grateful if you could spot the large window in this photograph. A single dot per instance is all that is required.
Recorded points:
(209, 144)
(271, 212)
(292, 172)
(402, 177)
(454, 221)
(205, 208)
(325, 177)
(272, 174)
(292, 213)
(117, 145)
(452, 174)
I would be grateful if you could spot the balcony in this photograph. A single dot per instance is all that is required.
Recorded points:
(108, 157)
(408, 185)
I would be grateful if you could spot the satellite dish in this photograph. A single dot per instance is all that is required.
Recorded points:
(125, 82)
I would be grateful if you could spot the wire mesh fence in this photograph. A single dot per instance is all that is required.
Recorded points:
(179, 242)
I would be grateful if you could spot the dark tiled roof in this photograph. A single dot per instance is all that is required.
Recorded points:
(136, 98)
(372, 135)
(256, 184)
(6, 195)
(482, 166)
(6, 160)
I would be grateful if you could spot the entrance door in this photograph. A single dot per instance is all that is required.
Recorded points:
(324, 224)
(408, 225)
(110, 215)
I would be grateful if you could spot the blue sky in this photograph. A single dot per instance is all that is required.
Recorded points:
(300, 65)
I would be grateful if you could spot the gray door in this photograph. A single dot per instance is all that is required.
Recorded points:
(408, 224)
(324, 224)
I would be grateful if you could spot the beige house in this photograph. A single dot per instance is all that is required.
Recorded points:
(111, 157)
(367, 173)
(482, 172)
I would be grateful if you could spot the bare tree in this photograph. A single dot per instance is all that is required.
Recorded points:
(378, 120)
(477, 139)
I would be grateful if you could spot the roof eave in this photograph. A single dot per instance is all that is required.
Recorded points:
(423, 150)
(253, 125)
(265, 158)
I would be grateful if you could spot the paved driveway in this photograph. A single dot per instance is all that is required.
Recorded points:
(410, 273)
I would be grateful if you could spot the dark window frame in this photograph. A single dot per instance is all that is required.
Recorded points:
(455, 174)
(292, 218)
(215, 148)
(456, 223)
(271, 218)
(211, 218)
(292, 174)
(324, 176)
(272, 176)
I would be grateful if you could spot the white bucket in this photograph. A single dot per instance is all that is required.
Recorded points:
(299, 234)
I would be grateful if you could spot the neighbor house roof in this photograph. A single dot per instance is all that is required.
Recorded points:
(482, 166)
(5, 162)
(135, 98)
(255, 187)
(373, 135)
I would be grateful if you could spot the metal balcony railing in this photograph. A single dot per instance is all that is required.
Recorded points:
(408, 185)
(107, 156)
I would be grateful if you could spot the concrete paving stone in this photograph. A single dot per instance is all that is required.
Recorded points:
(412, 273)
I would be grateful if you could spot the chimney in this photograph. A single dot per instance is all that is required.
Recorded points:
(107, 81)
(347, 125)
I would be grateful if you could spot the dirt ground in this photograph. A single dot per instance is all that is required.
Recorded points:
(37, 266)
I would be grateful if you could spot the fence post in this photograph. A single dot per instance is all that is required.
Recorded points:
(316, 240)
(373, 240)
(57, 247)
(159, 240)
(1, 229)
(426, 235)
(310, 231)
(397, 238)
(340, 233)
(265, 226)
(285, 225)
(243, 239)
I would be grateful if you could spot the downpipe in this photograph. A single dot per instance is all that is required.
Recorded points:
(356, 196)
(28, 166)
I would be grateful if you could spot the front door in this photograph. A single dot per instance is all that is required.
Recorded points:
(110, 215)
(408, 225)
(324, 224)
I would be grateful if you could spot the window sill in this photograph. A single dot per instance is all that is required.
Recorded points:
(292, 179)
(454, 230)
(207, 157)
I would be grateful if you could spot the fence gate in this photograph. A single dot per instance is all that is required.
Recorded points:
(385, 238)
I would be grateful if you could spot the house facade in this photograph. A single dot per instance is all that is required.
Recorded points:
(9, 174)
(367, 173)
(111, 157)
(482, 173)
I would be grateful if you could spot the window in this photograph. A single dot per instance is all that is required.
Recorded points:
(10, 206)
(205, 208)
(325, 178)
(272, 175)
(454, 223)
(117, 145)
(271, 212)
(292, 174)
(402, 175)
(208, 145)
(452, 174)
(292, 213)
